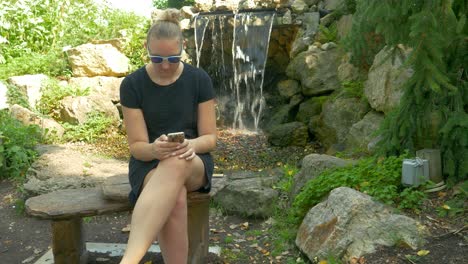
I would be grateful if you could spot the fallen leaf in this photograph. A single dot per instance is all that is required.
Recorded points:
(422, 252)
(126, 229)
(446, 207)
(148, 262)
(323, 262)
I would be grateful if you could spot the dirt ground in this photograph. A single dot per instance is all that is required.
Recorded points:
(24, 239)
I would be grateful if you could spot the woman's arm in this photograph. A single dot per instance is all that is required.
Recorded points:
(207, 133)
(138, 140)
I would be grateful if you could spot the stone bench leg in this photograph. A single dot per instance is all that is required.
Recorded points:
(198, 228)
(68, 244)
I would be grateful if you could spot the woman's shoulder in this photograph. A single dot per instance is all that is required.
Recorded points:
(138, 74)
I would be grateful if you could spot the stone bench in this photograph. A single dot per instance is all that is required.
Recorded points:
(66, 208)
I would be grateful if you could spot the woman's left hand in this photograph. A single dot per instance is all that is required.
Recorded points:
(186, 150)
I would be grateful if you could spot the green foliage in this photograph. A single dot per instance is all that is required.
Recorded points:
(94, 127)
(52, 93)
(352, 89)
(327, 34)
(377, 177)
(160, 4)
(17, 148)
(52, 63)
(434, 101)
(34, 33)
(285, 183)
(163, 4)
(16, 96)
(457, 205)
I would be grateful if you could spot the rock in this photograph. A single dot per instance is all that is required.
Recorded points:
(90, 60)
(299, 6)
(338, 117)
(385, 80)
(288, 88)
(310, 108)
(107, 87)
(70, 203)
(249, 193)
(48, 126)
(362, 133)
(347, 71)
(30, 85)
(350, 224)
(289, 134)
(312, 166)
(118, 43)
(317, 71)
(3, 96)
(75, 110)
(116, 187)
(344, 25)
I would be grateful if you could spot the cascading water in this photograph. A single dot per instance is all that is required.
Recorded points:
(239, 83)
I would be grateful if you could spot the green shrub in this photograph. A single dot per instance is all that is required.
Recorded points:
(94, 127)
(377, 177)
(16, 96)
(34, 32)
(52, 93)
(51, 63)
(16, 151)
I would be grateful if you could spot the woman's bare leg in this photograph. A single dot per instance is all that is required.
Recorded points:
(173, 238)
(157, 201)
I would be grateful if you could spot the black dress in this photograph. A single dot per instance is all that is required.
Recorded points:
(166, 109)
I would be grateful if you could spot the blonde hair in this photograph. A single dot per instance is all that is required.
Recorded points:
(166, 26)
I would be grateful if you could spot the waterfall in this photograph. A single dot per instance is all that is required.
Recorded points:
(238, 71)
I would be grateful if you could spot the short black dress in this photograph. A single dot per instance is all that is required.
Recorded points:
(166, 109)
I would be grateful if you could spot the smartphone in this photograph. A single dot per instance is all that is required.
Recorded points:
(176, 137)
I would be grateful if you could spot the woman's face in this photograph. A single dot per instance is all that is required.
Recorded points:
(165, 48)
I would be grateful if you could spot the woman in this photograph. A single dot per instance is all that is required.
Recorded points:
(166, 96)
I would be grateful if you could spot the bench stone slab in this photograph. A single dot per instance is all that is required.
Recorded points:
(71, 203)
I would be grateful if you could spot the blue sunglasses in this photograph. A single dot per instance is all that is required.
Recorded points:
(159, 59)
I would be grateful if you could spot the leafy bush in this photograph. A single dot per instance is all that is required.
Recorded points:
(15, 96)
(94, 127)
(377, 177)
(16, 150)
(52, 93)
(34, 33)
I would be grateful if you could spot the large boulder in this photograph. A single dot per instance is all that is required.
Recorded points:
(249, 193)
(312, 166)
(289, 134)
(317, 71)
(383, 88)
(311, 107)
(350, 224)
(3, 96)
(107, 87)
(76, 110)
(90, 60)
(362, 133)
(338, 116)
(288, 88)
(30, 85)
(48, 126)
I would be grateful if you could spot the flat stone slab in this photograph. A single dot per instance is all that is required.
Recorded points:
(116, 188)
(69, 203)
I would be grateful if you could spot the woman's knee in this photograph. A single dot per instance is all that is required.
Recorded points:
(178, 167)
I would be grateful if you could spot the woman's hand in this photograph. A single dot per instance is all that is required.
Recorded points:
(163, 149)
(185, 150)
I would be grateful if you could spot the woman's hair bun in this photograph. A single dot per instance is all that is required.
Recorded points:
(169, 15)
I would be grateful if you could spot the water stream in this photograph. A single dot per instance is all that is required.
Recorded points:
(233, 49)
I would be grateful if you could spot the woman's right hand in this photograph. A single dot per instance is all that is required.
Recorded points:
(162, 148)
